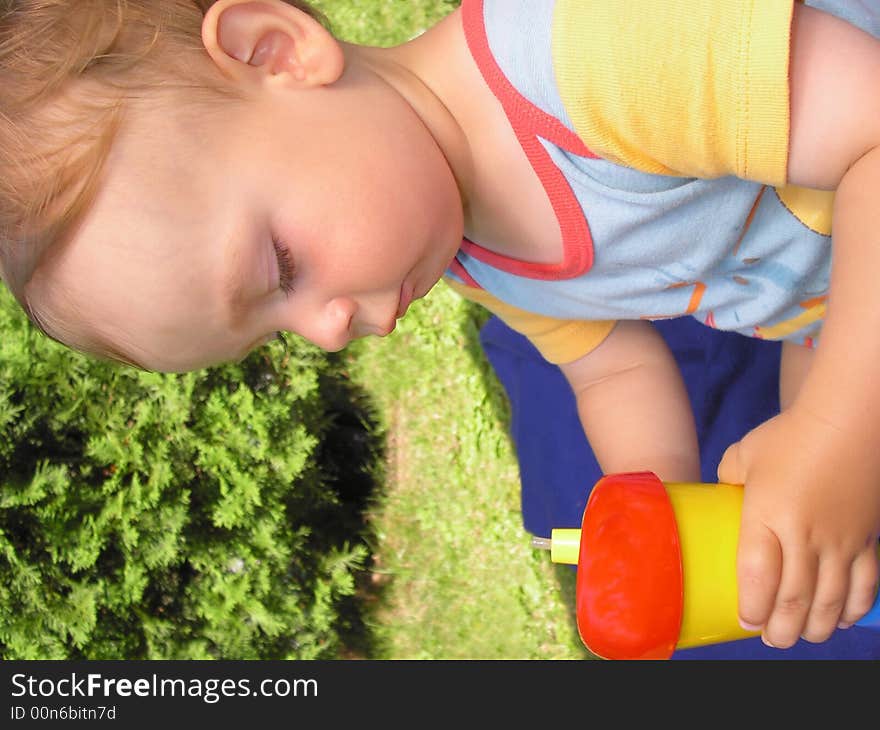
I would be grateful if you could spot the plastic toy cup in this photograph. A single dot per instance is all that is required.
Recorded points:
(656, 566)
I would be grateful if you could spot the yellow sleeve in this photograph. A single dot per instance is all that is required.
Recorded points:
(695, 88)
(558, 340)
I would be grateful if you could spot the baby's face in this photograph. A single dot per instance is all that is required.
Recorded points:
(322, 213)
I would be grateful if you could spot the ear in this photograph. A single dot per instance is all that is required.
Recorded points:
(254, 41)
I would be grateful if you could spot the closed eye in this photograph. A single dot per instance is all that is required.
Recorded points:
(286, 269)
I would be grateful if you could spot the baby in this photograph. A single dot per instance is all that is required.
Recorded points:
(181, 179)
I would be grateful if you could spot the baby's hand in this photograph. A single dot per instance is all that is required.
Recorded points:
(807, 555)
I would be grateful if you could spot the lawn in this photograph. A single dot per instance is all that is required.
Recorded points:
(458, 576)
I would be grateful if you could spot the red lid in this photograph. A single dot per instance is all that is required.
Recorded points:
(629, 582)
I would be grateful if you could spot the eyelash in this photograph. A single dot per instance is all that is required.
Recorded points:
(286, 269)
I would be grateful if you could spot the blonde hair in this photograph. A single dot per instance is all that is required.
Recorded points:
(67, 70)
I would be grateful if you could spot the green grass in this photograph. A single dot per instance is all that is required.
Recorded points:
(382, 22)
(459, 577)
(452, 566)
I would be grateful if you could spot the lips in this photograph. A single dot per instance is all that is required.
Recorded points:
(406, 297)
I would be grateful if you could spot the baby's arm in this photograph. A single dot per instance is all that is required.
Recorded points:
(633, 405)
(807, 556)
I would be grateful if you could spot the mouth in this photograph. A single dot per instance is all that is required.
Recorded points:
(407, 292)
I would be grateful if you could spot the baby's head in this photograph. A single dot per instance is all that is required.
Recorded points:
(180, 179)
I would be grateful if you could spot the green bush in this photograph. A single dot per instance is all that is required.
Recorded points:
(173, 516)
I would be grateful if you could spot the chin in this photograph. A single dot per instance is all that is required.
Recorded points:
(387, 329)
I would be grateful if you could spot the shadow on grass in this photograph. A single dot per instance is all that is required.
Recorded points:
(353, 451)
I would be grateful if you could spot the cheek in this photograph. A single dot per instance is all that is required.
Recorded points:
(369, 209)
(429, 193)
(414, 198)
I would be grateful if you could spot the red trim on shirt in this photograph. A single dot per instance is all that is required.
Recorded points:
(463, 274)
(528, 122)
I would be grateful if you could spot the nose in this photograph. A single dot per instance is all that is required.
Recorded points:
(331, 327)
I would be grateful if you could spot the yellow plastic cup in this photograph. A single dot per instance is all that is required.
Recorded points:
(708, 519)
(657, 566)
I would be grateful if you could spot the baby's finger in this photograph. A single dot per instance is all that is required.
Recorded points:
(832, 586)
(793, 599)
(758, 570)
(862, 588)
(730, 468)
